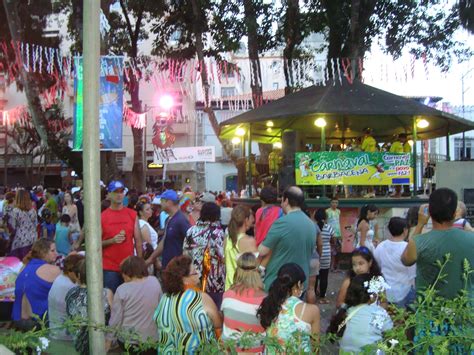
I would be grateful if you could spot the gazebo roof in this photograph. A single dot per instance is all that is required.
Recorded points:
(348, 109)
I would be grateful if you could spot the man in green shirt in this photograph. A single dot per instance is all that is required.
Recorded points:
(291, 239)
(426, 249)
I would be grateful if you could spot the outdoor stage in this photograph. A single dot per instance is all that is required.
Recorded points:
(381, 202)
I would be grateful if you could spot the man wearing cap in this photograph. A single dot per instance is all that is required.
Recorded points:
(175, 230)
(120, 235)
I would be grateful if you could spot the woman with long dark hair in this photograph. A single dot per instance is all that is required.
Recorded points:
(204, 243)
(365, 235)
(284, 315)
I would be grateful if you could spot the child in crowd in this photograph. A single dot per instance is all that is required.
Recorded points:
(364, 321)
(48, 228)
(388, 255)
(63, 237)
(334, 216)
(326, 233)
(363, 262)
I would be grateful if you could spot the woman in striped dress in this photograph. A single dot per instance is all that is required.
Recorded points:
(242, 301)
(185, 316)
(324, 250)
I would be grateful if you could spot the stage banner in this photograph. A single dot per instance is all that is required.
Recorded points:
(111, 103)
(184, 155)
(353, 168)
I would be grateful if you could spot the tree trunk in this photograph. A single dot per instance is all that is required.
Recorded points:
(292, 34)
(138, 170)
(355, 37)
(198, 20)
(32, 92)
(252, 36)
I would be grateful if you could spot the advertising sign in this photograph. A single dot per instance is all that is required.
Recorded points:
(111, 103)
(353, 168)
(184, 155)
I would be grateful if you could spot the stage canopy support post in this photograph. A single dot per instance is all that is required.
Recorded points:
(249, 159)
(415, 138)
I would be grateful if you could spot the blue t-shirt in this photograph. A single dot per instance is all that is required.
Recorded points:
(63, 246)
(175, 232)
(50, 228)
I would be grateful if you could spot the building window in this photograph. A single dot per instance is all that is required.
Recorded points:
(275, 86)
(458, 143)
(226, 92)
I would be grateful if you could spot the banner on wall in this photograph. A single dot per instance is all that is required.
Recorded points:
(185, 155)
(111, 103)
(353, 168)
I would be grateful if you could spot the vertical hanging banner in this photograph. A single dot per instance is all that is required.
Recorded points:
(111, 103)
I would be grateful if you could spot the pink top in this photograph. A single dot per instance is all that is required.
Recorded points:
(264, 219)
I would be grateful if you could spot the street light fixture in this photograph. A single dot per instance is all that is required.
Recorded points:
(166, 102)
(320, 122)
(240, 132)
(422, 123)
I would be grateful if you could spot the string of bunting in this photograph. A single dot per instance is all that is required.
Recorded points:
(21, 117)
(133, 119)
(51, 61)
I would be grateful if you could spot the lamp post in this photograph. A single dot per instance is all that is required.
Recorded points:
(463, 153)
(321, 123)
(91, 144)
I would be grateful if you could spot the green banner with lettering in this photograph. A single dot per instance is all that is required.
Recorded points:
(353, 168)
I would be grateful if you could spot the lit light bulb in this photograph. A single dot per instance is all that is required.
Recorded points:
(269, 123)
(269, 130)
(235, 140)
(422, 123)
(277, 145)
(320, 122)
(240, 131)
(166, 102)
(410, 141)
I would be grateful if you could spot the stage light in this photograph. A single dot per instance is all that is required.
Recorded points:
(269, 123)
(320, 122)
(166, 102)
(235, 140)
(240, 131)
(422, 123)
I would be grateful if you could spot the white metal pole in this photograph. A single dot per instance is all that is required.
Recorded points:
(91, 157)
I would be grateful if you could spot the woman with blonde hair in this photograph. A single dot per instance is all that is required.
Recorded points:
(242, 301)
(238, 242)
(23, 224)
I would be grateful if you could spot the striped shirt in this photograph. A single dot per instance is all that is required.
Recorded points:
(240, 315)
(325, 258)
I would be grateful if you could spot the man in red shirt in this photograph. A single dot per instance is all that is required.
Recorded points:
(120, 235)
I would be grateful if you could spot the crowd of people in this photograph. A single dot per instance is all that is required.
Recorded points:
(182, 269)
